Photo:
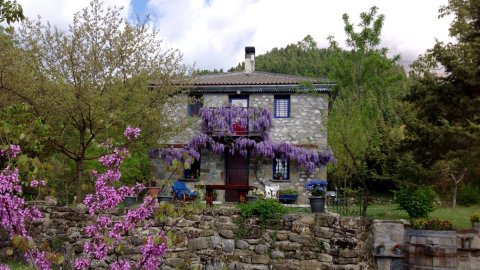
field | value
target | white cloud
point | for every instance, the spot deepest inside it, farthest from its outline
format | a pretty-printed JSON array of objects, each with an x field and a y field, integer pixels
[
  {"x": 214, "y": 33},
  {"x": 60, "y": 12}
]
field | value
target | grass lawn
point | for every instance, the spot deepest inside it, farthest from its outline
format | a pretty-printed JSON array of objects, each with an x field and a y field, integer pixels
[
  {"x": 14, "y": 265},
  {"x": 459, "y": 216}
]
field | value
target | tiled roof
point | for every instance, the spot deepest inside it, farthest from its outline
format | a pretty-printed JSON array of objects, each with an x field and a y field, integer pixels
[{"x": 254, "y": 78}]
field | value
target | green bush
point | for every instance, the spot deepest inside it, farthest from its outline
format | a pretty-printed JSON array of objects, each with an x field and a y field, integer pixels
[
  {"x": 433, "y": 224},
  {"x": 288, "y": 192},
  {"x": 418, "y": 202},
  {"x": 468, "y": 195},
  {"x": 264, "y": 209}
]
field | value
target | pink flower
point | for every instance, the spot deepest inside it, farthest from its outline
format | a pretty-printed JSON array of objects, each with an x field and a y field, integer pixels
[
  {"x": 132, "y": 133},
  {"x": 81, "y": 263},
  {"x": 37, "y": 183}
]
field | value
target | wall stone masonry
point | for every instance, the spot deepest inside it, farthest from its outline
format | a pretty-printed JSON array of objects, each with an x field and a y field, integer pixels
[{"x": 209, "y": 241}]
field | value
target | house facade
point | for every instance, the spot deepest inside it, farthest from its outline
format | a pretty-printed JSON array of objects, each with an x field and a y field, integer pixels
[{"x": 299, "y": 111}]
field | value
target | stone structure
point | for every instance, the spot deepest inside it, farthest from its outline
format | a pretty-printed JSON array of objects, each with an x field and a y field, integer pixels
[
  {"x": 305, "y": 125},
  {"x": 212, "y": 240},
  {"x": 391, "y": 233}
]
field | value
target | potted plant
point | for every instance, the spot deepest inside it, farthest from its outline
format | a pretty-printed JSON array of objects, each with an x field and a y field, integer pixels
[
  {"x": 287, "y": 195},
  {"x": 397, "y": 249},
  {"x": 475, "y": 219},
  {"x": 255, "y": 195},
  {"x": 466, "y": 242},
  {"x": 165, "y": 195},
  {"x": 317, "y": 189},
  {"x": 129, "y": 200},
  {"x": 153, "y": 189},
  {"x": 380, "y": 249}
]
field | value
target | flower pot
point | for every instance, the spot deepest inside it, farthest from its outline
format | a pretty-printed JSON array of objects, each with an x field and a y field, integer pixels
[
  {"x": 397, "y": 251},
  {"x": 381, "y": 250},
  {"x": 153, "y": 191},
  {"x": 466, "y": 243},
  {"x": 252, "y": 198},
  {"x": 129, "y": 201},
  {"x": 287, "y": 198},
  {"x": 164, "y": 198},
  {"x": 317, "y": 204},
  {"x": 476, "y": 226}
]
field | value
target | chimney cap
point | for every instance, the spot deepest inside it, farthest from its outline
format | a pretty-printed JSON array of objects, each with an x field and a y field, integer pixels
[{"x": 249, "y": 50}]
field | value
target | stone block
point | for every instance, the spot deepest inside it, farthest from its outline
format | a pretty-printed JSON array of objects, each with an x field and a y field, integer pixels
[
  {"x": 260, "y": 259},
  {"x": 310, "y": 265},
  {"x": 199, "y": 243},
  {"x": 261, "y": 249},
  {"x": 324, "y": 232},
  {"x": 228, "y": 246},
  {"x": 348, "y": 253},
  {"x": 326, "y": 220},
  {"x": 174, "y": 262},
  {"x": 241, "y": 244},
  {"x": 227, "y": 234},
  {"x": 325, "y": 257},
  {"x": 277, "y": 254}
]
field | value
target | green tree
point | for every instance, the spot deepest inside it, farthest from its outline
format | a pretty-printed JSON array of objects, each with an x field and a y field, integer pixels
[
  {"x": 303, "y": 58},
  {"x": 363, "y": 108},
  {"x": 443, "y": 135},
  {"x": 10, "y": 11},
  {"x": 89, "y": 83}
]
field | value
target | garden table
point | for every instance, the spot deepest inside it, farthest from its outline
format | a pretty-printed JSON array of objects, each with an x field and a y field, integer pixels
[{"x": 242, "y": 191}]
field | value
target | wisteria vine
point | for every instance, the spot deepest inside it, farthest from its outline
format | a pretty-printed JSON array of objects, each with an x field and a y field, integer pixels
[{"x": 218, "y": 122}]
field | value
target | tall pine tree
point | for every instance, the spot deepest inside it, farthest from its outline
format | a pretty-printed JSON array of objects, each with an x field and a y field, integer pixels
[{"x": 444, "y": 134}]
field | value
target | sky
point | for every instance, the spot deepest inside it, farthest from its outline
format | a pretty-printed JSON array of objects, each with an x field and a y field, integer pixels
[{"x": 213, "y": 33}]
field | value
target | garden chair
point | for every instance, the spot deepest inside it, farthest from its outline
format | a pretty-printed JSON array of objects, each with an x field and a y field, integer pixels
[
  {"x": 272, "y": 191},
  {"x": 181, "y": 192}
]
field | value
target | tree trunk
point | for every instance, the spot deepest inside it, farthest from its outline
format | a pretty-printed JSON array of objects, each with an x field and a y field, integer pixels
[
  {"x": 456, "y": 182},
  {"x": 455, "y": 188},
  {"x": 79, "y": 168}
]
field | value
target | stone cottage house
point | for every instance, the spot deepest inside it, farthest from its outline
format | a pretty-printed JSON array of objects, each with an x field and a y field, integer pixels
[{"x": 298, "y": 108}]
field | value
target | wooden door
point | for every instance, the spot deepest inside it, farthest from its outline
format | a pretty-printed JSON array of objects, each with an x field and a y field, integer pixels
[{"x": 237, "y": 174}]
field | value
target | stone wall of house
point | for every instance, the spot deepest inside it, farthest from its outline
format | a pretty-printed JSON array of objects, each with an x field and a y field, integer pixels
[
  {"x": 260, "y": 174},
  {"x": 306, "y": 126},
  {"x": 212, "y": 240}
]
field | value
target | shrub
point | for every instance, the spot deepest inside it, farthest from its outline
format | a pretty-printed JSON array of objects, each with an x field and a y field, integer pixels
[
  {"x": 433, "y": 224},
  {"x": 417, "y": 202},
  {"x": 264, "y": 209},
  {"x": 288, "y": 192},
  {"x": 468, "y": 195},
  {"x": 475, "y": 218}
]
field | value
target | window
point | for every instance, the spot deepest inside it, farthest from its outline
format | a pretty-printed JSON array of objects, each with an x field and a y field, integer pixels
[
  {"x": 195, "y": 106},
  {"x": 281, "y": 106},
  {"x": 237, "y": 127},
  {"x": 193, "y": 172},
  {"x": 281, "y": 168}
]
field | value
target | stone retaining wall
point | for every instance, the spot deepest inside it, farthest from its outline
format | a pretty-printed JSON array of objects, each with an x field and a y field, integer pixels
[
  {"x": 211, "y": 240},
  {"x": 391, "y": 233}
]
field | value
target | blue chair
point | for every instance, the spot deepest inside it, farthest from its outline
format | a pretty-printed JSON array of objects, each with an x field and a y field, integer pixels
[{"x": 181, "y": 191}]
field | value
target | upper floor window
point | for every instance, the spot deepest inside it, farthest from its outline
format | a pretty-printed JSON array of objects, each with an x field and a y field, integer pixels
[
  {"x": 281, "y": 168},
  {"x": 237, "y": 127},
  {"x": 239, "y": 101},
  {"x": 281, "y": 106},
  {"x": 195, "y": 105}
]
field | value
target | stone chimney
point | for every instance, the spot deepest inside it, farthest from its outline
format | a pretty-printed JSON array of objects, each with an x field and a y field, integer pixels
[{"x": 249, "y": 59}]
